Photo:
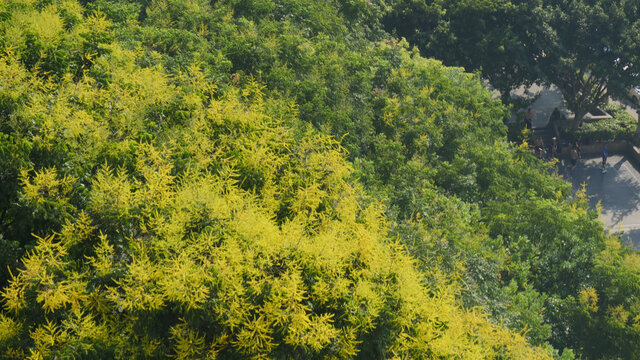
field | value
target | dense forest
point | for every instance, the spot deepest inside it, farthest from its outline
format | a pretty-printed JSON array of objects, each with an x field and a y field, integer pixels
[{"x": 256, "y": 179}]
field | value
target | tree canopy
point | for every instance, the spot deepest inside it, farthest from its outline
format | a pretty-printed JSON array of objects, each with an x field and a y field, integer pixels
[
  {"x": 279, "y": 179},
  {"x": 589, "y": 49}
]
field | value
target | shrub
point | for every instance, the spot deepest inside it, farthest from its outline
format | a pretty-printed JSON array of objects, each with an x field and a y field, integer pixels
[{"x": 621, "y": 127}]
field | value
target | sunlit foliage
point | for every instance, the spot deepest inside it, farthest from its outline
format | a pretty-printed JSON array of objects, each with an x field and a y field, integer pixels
[
  {"x": 277, "y": 179},
  {"x": 188, "y": 222}
]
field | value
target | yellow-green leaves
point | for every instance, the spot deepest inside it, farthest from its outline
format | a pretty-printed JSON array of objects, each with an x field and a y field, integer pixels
[
  {"x": 188, "y": 343},
  {"x": 185, "y": 281},
  {"x": 200, "y": 223},
  {"x": 47, "y": 337},
  {"x": 45, "y": 186},
  {"x": 46, "y": 25},
  {"x": 112, "y": 193},
  {"x": 138, "y": 289},
  {"x": 588, "y": 300},
  {"x": 9, "y": 329},
  {"x": 102, "y": 262},
  {"x": 76, "y": 232},
  {"x": 42, "y": 270}
]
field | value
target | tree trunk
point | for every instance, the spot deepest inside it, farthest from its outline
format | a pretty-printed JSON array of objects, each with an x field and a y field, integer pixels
[{"x": 575, "y": 123}]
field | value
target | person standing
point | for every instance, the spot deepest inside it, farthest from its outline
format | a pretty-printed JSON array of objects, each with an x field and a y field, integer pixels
[
  {"x": 539, "y": 144},
  {"x": 604, "y": 159},
  {"x": 528, "y": 117},
  {"x": 554, "y": 147},
  {"x": 574, "y": 157}
]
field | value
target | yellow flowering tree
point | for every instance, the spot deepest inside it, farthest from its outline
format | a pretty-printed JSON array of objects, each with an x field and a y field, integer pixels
[{"x": 192, "y": 223}]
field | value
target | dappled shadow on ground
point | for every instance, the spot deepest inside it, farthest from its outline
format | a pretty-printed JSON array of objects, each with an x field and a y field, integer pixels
[
  {"x": 618, "y": 190},
  {"x": 620, "y": 194}
]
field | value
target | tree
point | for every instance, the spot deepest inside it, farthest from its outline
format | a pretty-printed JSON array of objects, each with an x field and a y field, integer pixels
[
  {"x": 603, "y": 320},
  {"x": 194, "y": 222},
  {"x": 590, "y": 51},
  {"x": 494, "y": 38},
  {"x": 197, "y": 207}
]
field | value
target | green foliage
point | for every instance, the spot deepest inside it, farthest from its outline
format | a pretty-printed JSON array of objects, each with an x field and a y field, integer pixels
[
  {"x": 538, "y": 231},
  {"x": 233, "y": 290},
  {"x": 602, "y": 320},
  {"x": 184, "y": 220},
  {"x": 494, "y": 37},
  {"x": 621, "y": 127},
  {"x": 52, "y": 41},
  {"x": 591, "y": 52},
  {"x": 586, "y": 48},
  {"x": 13, "y": 157},
  {"x": 269, "y": 179}
]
